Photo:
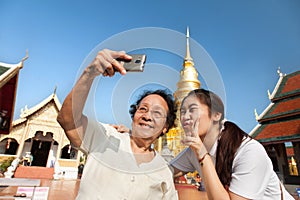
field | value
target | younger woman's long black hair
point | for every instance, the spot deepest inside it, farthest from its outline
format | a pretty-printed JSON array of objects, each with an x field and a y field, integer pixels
[{"x": 231, "y": 138}]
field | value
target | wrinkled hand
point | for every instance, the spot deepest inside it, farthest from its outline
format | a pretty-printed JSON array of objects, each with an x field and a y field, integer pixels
[
  {"x": 121, "y": 128},
  {"x": 105, "y": 63},
  {"x": 193, "y": 140}
]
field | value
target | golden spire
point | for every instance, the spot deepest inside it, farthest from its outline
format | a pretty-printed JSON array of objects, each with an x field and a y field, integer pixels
[
  {"x": 188, "y": 75},
  {"x": 188, "y": 55},
  {"x": 188, "y": 60},
  {"x": 188, "y": 81}
]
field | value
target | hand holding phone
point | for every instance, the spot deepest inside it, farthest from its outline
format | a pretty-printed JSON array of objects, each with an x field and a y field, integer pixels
[{"x": 136, "y": 64}]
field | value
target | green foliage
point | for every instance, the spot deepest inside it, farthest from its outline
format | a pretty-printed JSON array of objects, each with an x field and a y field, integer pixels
[
  {"x": 82, "y": 158},
  {"x": 5, "y": 164}
]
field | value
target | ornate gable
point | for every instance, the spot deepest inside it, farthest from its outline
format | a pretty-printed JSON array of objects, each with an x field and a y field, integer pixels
[
  {"x": 45, "y": 110},
  {"x": 44, "y": 119},
  {"x": 41, "y": 117}
]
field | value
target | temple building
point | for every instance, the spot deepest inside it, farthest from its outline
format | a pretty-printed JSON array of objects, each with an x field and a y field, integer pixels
[
  {"x": 188, "y": 81},
  {"x": 279, "y": 127},
  {"x": 36, "y": 133}
]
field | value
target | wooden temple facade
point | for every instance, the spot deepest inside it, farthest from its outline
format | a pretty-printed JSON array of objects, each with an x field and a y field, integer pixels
[{"x": 279, "y": 127}]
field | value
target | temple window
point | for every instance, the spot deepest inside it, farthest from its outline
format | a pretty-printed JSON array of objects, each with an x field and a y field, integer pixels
[
  {"x": 9, "y": 146},
  {"x": 68, "y": 152}
]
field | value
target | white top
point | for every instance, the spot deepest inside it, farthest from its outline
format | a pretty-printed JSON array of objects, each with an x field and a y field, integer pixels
[
  {"x": 252, "y": 171},
  {"x": 187, "y": 161},
  {"x": 111, "y": 171}
]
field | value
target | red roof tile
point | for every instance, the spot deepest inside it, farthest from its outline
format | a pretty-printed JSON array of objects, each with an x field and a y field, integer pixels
[
  {"x": 286, "y": 130},
  {"x": 286, "y": 106},
  {"x": 293, "y": 83},
  {"x": 290, "y": 85}
]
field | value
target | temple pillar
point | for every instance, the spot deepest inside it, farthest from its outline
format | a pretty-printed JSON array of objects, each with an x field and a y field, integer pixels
[{"x": 282, "y": 160}]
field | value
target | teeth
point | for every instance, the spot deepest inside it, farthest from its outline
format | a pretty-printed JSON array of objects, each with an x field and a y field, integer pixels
[{"x": 145, "y": 125}]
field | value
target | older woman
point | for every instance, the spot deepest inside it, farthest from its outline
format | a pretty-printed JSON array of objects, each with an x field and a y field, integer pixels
[{"x": 120, "y": 166}]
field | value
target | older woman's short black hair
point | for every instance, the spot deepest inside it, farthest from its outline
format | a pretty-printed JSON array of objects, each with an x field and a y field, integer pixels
[{"x": 166, "y": 96}]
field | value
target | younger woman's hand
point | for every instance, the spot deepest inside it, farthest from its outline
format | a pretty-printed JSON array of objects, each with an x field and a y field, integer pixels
[{"x": 193, "y": 140}]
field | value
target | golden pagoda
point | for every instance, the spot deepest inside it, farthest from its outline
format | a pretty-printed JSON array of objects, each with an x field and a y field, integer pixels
[{"x": 188, "y": 81}]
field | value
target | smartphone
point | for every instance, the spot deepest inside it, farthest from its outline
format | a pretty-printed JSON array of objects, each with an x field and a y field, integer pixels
[{"x": 136, "y": 64}]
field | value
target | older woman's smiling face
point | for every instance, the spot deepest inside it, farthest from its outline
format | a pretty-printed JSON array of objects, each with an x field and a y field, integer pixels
[{"x": 149, "y": 121}]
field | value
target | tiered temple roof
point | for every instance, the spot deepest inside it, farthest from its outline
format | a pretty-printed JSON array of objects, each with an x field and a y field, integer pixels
[{"x": 280, "y": 121}]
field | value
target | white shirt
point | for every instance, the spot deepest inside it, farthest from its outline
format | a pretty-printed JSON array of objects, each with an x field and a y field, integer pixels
[
  {"x": 111, "y": 171},
  {"x": 252, "y": 171},
  {"x": 187, "y": 161}
]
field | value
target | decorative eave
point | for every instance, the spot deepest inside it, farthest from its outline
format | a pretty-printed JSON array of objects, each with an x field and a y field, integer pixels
[
  {"x": 286, "y": 87},
  {"x": 18, "y": 121},
  {"x": 281, "y": 75},
  {"x": 279, "y": 140},
  {"x": 13, "y": 69},
  {"x": 253, "y": 131},
  {"x": 264, "y": 112}
]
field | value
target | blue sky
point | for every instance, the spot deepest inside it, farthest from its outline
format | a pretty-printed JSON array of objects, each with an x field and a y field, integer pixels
[{"x": 246, "y": 41}]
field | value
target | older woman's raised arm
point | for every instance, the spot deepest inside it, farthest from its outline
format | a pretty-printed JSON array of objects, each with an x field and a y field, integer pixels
[{"x": 71, "y": 116}]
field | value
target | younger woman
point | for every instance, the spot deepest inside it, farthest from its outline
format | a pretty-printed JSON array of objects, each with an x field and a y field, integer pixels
[{"x": 231, "y": 163}]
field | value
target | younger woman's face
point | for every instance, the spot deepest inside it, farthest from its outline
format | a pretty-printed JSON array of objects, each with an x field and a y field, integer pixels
[{"x": 191, "y": 111}]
